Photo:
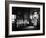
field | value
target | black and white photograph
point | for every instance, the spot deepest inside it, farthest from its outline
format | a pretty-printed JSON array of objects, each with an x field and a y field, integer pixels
[{"x": 25, "y": 18}]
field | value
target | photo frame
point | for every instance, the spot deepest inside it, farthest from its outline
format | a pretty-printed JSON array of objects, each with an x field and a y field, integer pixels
[{"x": 24, "y": 18}]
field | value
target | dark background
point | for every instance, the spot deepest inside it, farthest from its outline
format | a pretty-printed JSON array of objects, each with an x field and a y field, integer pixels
[{"x": 21, "y": 11}]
